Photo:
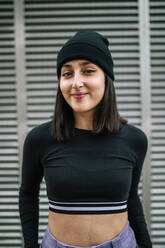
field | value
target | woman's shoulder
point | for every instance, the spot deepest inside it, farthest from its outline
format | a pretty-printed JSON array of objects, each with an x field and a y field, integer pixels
[
  {"x": 39, "y": 132},
  {"x": 130, "y": 128},
  {"x": 135, "y": 135},
  {"x": 43, "y": 127}
]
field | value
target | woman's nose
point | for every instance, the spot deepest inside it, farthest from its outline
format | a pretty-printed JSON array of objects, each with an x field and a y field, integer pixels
[{"x": 77, "y": 81}]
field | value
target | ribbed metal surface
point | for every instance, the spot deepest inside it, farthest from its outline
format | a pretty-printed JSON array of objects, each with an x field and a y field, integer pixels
[
  {"x": 157, "y": 18},
  {"x": 48, "y": 24},
  {"x": 10, "y": 235}
]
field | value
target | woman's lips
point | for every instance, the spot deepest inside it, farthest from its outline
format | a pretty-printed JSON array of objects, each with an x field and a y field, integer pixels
[{"x": 79, "y": 96}]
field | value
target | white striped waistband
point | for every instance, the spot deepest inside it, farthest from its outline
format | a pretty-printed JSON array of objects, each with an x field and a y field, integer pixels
[{"x": 87, "y": 206}]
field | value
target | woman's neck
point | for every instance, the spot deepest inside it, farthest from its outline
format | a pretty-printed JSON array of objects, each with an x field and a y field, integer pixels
[{"x": 83, "y": 121}]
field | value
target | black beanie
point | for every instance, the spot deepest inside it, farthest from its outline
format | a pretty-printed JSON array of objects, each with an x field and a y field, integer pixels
[{"x": 88, "y": 45}]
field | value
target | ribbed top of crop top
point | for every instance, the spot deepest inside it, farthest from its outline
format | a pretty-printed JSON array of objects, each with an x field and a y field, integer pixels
[{"x": 88, "y": 174}]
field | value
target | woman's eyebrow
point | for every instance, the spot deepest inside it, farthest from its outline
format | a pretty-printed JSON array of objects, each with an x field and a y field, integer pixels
[
  {"x": 85, "y": 63},
  {"x": 66, "y": 65}
]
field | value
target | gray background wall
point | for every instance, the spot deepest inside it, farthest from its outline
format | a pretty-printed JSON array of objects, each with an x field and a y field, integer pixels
[{"x": 31, "y": 33}]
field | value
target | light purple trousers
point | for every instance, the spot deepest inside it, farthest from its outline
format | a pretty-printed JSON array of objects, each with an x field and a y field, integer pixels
[{"x": 126, "y": 239}]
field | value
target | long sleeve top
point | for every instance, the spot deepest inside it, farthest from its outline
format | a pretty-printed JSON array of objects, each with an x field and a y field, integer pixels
[{"x": 88, "y": 174}]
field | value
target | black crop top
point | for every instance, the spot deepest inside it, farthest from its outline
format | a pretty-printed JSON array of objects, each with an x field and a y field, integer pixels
[{"x": 88, "y": 174}]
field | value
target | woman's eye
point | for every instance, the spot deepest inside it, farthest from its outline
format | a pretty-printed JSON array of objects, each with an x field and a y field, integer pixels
[
  {"x": 66, "y": 74},
  {"x": 88, "y": 71}
]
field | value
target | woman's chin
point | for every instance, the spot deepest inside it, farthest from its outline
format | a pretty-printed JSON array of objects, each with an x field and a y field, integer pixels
[{"x": 81, "y": 110}]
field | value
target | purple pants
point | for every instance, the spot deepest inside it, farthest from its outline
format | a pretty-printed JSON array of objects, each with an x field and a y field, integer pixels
[{"x": 126, "y": 239}]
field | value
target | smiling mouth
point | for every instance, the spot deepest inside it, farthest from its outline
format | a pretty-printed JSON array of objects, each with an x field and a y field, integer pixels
[{"x": 79, "y": 96}]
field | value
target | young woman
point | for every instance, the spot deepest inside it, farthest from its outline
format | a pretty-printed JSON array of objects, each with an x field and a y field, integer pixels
[{"x": 90, "y": 157}]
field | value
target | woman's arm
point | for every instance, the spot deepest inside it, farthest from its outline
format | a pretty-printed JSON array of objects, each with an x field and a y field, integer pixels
[
  {"x": 32, "y": 174},
  {"x": 135, "y": 209}
]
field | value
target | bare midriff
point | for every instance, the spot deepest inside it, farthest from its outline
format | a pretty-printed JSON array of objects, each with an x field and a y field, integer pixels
[{"x": 86, "y": 230}]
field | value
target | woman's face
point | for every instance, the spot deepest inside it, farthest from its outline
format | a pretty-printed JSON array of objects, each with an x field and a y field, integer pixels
[{"x": 82, "y": 84}]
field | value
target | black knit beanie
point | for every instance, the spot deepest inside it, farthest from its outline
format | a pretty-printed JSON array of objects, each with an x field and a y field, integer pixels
[{"x": 88, "y": 45}]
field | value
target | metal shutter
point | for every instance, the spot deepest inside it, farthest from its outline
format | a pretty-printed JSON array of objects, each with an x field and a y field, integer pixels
[
  {"x": 10, "y": 235},
  {"x": 49, "y": 24},
  {"x": 157, "y": 18}
]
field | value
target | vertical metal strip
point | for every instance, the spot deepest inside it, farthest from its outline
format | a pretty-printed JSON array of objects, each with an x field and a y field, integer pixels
[
  {"x": 20, "y": 75},
  {"x": 20, "y": 78},
  {"x": 145, "y": 78}
]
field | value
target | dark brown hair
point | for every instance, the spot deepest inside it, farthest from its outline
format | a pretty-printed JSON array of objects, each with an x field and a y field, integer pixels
[{"x": 106, "y": 115}]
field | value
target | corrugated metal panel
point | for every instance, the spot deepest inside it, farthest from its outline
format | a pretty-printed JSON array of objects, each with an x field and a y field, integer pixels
[
  {"x": 10, "y": 235},
  {"x": 157, "y": 18},
  {"x": 48, "y": 24}
]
